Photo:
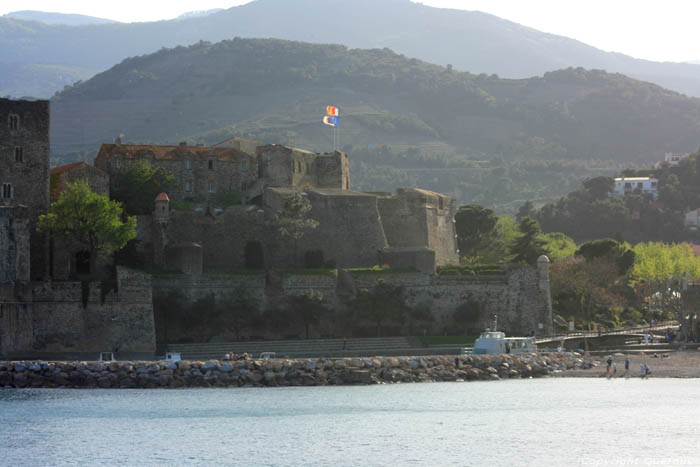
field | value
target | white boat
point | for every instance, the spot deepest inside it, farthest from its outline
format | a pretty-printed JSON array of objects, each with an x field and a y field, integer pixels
[{"x": 496, "y": 342}]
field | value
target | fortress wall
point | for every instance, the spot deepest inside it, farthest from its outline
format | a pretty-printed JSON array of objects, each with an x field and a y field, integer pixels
[
  {"x": 197, "y": 287},
  {"x": 15, "y": 326},
  {"x": 441, "y": 233},
  {"x": 57, "y": 321},
  {"x": 349, "y": 231}
]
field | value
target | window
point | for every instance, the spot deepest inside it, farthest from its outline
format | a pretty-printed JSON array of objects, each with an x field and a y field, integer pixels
[
  {"x": 117, "y": 163},
  {"x": 639, "y": 185},
  {"x": 188, "y": 186},
  {"x": 19, "y": 154},
  {"x": 653, "y": 184},
  {"x": 211, "y": 188},
  {"x": 6, "y": 190},
  {"x": 244, "y": 166},
  {"x": 13, "y": 121},
  {"x": 188, "y": 164},
  {"x": 211, "y": 165},
  {"x": 628, "y": 186}
]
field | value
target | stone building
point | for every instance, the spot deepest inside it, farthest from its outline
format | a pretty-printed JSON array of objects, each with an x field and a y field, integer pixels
[
  {"x": 71, "y": 173},
  {"x": 24, "y": 168},
  {"x": 204, "y": 172},
  {"x": 200, "y": 172}
]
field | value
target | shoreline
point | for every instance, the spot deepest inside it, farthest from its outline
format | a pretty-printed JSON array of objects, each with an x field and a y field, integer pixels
[
  {"x": 333, "y": 371},
  {"x": 283, "y": 372}
]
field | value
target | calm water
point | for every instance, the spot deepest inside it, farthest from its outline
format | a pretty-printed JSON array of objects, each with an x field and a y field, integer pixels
[{"x": 528, "y": 422}]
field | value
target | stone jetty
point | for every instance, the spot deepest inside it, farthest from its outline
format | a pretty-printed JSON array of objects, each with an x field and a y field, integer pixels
[{"x": 282, "y": 372}]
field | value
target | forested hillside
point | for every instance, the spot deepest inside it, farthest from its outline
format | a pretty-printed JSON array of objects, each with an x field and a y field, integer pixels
[
  {"x": 428, "y": 117},
  {"x": 469, "y": 40}
]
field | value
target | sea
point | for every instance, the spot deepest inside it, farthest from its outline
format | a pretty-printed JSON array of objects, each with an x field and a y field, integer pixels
[{"x": 537, "y": 422}]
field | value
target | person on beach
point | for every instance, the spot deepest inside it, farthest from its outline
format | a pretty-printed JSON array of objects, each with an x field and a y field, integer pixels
[
  {"x": 627, "y": 367},
  {"x": 645, "y": 371}
]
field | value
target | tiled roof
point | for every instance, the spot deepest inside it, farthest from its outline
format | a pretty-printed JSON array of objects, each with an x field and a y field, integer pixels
[
  {"x": 162, "y": 197},
  {"x": 139, "y": 151},
  {"x": 65, "y": 168},
  {"x": 58, "y": 183}
]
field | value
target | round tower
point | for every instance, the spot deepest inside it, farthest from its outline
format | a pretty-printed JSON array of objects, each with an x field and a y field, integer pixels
[{"x": 162, "y": 208}]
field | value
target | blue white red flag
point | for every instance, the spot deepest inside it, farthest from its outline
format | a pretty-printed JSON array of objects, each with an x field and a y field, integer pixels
[{"x": 331, "y": 121}]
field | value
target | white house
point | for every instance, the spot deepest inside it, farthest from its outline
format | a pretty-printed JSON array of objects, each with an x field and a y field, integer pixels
[
  {"x": 692, "y": 219},
  {"x": 671, "y": 159},
  {"x": 643, "y": 185}
]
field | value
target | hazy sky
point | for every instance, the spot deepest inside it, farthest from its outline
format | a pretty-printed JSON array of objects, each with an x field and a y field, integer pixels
[{"x": 651, "y": 29}]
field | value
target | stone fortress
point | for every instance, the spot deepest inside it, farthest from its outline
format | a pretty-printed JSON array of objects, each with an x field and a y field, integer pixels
[{"x": 45, "y": 307}]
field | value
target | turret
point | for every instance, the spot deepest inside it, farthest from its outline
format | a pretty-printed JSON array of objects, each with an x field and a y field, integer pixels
[{"x": 162, "y": 210}]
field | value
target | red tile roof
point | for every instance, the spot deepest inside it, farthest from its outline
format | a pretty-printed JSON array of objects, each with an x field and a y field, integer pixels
[
  {"x": 65, "y": 168},
  {"x": 162, "y": 197}
]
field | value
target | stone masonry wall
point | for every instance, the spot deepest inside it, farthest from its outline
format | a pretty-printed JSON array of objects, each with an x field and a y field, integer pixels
[{"x": 56, "y": 320}]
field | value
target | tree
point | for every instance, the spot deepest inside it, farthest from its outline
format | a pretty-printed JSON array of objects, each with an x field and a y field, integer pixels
[
  {"x": 89, "y": 219},
  {"x": 504, "y": 236},
  {"x": 137, "y": 185},
  {"x": 526, "y": 210},
  {"x": 420, "y": 315},
  {"x": 585, "y": 290},
  {"x": 466, "y": 314},
  {"x": 474, "y": 225},
  {"x": 559, "y": 245},
  {"x": 384, "y": 302},
  {"x": 530, "y": 245},
  {"x": 237, "y": 311},
  {"x": 617, "y": 252},
  {"x": 294, "y": 219},
  {"x": 599, "y": 187},
  {"x": 665, "y": 271},
  {"x": 308, "y": 308}
]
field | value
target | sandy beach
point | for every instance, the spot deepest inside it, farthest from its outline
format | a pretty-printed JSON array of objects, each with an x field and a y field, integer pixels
[{"x": 678, "y": 364}]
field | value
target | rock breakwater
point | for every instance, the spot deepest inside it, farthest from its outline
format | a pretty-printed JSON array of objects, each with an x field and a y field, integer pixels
[{"x": 282, "y": 372}]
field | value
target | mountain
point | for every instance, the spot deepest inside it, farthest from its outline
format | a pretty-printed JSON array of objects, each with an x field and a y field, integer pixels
[
  {"x": 269, "y": 88},
  {"x": 199, "y": 13},
  {"x": 468, "y": 40},
  {"x": 57, "y": 18}
]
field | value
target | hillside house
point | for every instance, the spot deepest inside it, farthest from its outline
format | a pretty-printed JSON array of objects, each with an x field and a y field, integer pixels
[{"x": 641, "y": 185}]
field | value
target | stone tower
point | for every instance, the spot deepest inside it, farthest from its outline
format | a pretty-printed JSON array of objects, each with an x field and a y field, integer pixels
[{"x": 24, "y": 168}]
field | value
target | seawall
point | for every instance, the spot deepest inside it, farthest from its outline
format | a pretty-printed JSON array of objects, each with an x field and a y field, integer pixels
[{"x": 278, "y": 372}]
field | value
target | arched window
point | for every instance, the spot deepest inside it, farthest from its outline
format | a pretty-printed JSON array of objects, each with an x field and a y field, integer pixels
[{"x": 19, "y": 154}]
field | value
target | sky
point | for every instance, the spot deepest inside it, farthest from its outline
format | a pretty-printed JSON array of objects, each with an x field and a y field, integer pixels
[{"x": 649, "y": 29}]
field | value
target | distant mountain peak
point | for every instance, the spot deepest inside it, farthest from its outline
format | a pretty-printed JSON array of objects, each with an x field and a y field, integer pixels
[
  {"x": 199, "y": 13},
  {"x": 53, "y": 18}
]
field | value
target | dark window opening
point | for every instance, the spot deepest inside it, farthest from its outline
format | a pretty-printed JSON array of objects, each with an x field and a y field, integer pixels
[
  {"x": 82, "y": 263},
  {"x": 7, "y": 190},
  {"x": 19, "y": 154},
  {"x": 211, "y": 165},
  {"x": 14, "y": 122},
  {"x": 441, "y": 203}
]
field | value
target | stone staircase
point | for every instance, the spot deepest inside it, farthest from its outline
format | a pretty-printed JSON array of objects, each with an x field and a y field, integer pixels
[{"x": 356, "y": 347}]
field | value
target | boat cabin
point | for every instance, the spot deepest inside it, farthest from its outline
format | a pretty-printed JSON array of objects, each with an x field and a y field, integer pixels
[{"x": 496, "y": 342}]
